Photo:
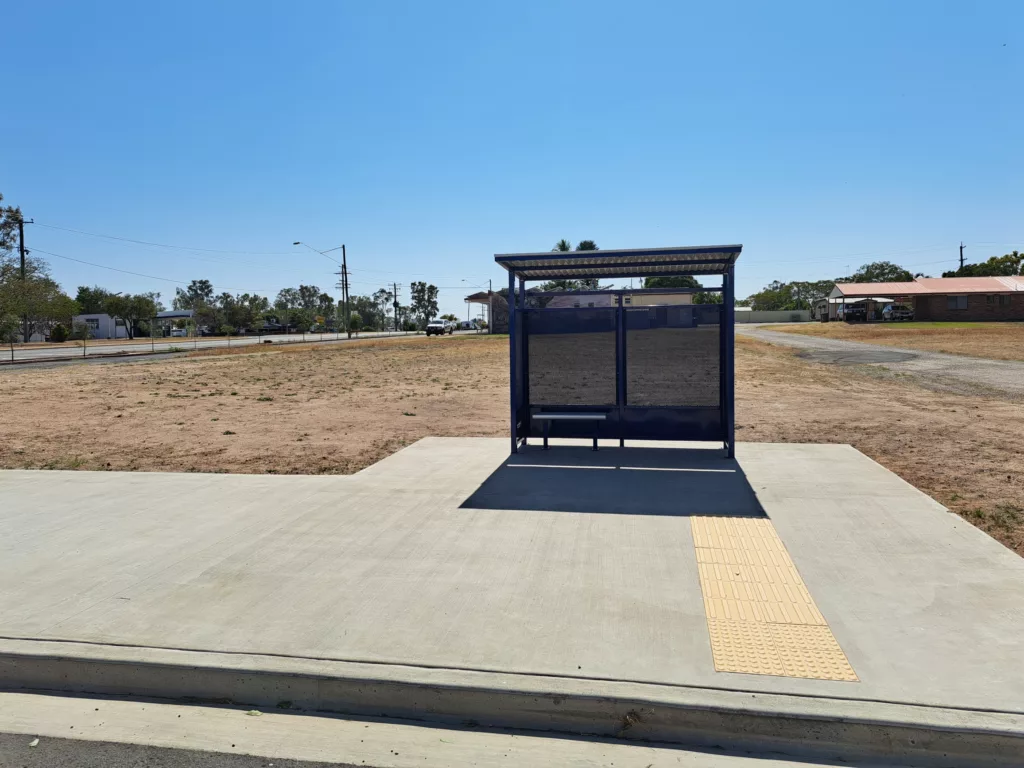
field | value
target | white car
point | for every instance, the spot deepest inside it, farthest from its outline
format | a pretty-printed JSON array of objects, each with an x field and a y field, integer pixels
[
  {"x": 440, "y": 327},
  {"x": 178, "y": 333}
]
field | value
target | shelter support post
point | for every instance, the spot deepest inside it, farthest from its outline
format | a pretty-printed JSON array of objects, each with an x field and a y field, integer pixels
[
  {"x": 728, "y": 364},
  {"x": 512, "y": 341},
  {"x": 524, "y": 358}
]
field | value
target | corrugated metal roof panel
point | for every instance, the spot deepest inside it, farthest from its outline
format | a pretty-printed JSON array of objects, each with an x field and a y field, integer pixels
[
  {"x": 633, "y": 262},
  {"x": 867, "y": 290}
]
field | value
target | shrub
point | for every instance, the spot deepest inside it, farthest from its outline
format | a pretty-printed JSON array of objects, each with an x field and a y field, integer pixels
[{"x": 58, "y": 334}]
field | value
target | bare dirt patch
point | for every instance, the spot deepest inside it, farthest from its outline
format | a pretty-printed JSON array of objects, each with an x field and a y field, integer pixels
[
  {"x": 996, "y": 341},
  {"x": 337, "y": 409},
  {"x": 297, "y": 409}
]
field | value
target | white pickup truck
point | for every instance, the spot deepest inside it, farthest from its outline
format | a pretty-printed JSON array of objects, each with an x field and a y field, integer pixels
[{"x": 440, "y": 328}]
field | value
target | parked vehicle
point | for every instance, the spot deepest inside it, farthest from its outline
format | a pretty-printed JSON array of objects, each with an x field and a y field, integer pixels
[
  {"x": 439, "y": 328},
  {"x": 468, "y": 325},
  {"x": 178, "y": 333},
  {"x": 892, "y": 312},
  {"x": 852, "y": 313}
]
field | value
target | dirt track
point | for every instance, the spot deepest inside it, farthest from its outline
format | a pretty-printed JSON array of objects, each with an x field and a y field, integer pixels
[
  {"x": 934, "y": 370},
  {"x": 340, "y": 408}
]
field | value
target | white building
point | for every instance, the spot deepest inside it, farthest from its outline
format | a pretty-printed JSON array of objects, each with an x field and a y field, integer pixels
[{"x": 102, "y": 326}]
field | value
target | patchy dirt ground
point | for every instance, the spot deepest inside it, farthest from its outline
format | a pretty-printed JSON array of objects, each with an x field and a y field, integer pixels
[
  {"x": 320, "y": 409},
  {"x": 298, "y": 409},
  {"x": 996, "y": 341}
]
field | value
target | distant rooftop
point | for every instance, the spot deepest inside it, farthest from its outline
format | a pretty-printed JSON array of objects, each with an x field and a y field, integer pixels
[
  {"x": 924, "y": 286},
  {"x": 174, "y": 314}
]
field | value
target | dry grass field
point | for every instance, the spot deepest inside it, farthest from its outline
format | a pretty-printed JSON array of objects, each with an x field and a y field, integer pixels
[
  {"x": 338, "y": 408},
  {"x": 997, "y": 341}
]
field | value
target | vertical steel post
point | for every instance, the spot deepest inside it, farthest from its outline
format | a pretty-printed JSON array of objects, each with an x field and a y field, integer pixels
[
  {"x": 620, "y": 366},
  {"x": 523, "y": 372},
  {"x": 512, "y": 356},
  {"x": 729, "y": 311}
]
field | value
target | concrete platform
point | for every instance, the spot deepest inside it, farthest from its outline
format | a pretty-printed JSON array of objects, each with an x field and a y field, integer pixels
[{"x": 555, "y": 590}]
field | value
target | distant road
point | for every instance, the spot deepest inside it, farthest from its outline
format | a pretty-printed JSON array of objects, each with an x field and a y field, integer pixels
[{"x": 169, "y": 345}]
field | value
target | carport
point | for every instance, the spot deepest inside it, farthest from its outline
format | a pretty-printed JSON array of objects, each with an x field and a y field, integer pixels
[{"x": 652, "y": 372}]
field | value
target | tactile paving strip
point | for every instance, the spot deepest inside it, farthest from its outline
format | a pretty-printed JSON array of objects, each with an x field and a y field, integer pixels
[{"x": 761, "y": 618}]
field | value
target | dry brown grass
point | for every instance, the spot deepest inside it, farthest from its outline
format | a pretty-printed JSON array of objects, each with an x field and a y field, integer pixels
[
  {"x": 996, "y": 341},
  {"x": 295, "y": 409},
  {"x": 338, "y": 408}
]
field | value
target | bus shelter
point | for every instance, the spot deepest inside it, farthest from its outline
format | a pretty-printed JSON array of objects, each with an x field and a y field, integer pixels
[{"x": 622, "y": 364}]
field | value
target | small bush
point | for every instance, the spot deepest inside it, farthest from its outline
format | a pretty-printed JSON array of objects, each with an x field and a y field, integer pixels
[{"x": 59, "y": 334}]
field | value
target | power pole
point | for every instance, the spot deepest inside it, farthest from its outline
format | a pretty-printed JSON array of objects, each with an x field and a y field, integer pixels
[
  {"x": 961, "y": 254},
  {"x": 344, "y": 283},
  {"x": 21, "y": 249},
  {"x": 395, "y": 304}
]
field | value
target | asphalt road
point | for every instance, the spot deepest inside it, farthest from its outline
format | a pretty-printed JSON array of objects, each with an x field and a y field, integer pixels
[
  {"x": 72, "y": 753},
  {"x": 169, "y": 345},
  {"x": 936, "y": 370}
]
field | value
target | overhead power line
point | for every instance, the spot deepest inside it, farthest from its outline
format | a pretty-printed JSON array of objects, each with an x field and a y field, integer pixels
[
  {"x": 165, "y": 245},
  {"x": 140, "y": 274}
]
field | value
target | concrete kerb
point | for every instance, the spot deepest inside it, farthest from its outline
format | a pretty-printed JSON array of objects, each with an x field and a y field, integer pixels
[{"x": 804, "y": 726}]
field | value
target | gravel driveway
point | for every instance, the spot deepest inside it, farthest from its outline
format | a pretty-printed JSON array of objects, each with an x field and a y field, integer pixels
[{"x": 947, "y": 373}]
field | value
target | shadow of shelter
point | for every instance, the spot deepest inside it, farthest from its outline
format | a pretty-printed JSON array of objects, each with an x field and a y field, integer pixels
[{"x": 619, "y": 481}]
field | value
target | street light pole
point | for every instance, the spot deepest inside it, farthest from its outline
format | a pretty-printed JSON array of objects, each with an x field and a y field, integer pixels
[{"x": 343, "y": 273}]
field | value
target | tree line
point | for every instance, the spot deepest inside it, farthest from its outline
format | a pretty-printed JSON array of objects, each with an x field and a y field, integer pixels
[
  {"x": 780, "y": 295},
  {"x": 306, "y": 308}
]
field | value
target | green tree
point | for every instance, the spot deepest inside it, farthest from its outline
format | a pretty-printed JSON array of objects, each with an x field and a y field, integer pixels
[
  {"x": 43, "y": 304},
  {"x": 132, "y": 309},
  {"x": 881, "y": 272},
  {"x": 450, "y": 318},
  {"x": 9, "y": 327},
  {"x": 198, "y": 294},
  {"x": 252, "y": 307},
  {"x": 9, "y": 218},
  {"x": 384, "y": 300},
  {"x": 592, "y": 284},
  {"x": 309, "y": 297},
  {"x": 355, "y": 322},
  {"x": 996, "y": 266},
  {"x": 300, "y": 318},
  {"x": 91, "y": 300},
  {"x": 683, "y": 281},
  {"x": 288, "y": 298},
  {"x": 424, "y": 302},
  {"x": 325, "y": 307}
]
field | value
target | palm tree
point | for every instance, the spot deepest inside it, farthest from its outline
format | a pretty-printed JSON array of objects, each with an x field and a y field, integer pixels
[{"x": 562, "y": 246}]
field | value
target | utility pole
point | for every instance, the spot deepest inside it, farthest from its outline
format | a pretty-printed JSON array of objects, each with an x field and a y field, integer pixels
[
  {"x": 395, "y": 304},
  {"x": 344, "y": 283},
  {"x": 21, "y": 249},
  {"x": 961, "y": 254}
]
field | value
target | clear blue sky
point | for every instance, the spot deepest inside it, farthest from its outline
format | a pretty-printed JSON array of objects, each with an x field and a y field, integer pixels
[{"x": 429, "y": 136}]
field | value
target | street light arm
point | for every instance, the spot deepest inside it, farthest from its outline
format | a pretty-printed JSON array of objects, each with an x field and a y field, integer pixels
[{"x": 322, "y": 253}]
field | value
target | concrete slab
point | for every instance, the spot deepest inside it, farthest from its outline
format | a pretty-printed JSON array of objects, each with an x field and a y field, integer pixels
[{"x": 560, "y": 568}]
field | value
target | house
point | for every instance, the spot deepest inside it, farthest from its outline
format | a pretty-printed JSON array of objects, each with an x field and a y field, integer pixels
[
  {"x": 934, "y": 298},
  {"x": 102, "y": 326},
  {"x": 637, "y": 299}
]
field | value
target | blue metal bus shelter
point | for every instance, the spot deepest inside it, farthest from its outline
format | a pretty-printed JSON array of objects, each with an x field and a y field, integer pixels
[{"x": 623, "y": 364}]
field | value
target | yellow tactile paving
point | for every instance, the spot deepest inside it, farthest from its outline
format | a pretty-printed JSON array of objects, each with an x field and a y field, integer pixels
[{"x": 761, "y": 618}]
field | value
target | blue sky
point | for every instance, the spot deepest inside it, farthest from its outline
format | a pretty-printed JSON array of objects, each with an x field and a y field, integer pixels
[{"x": 429, "y": 136}]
